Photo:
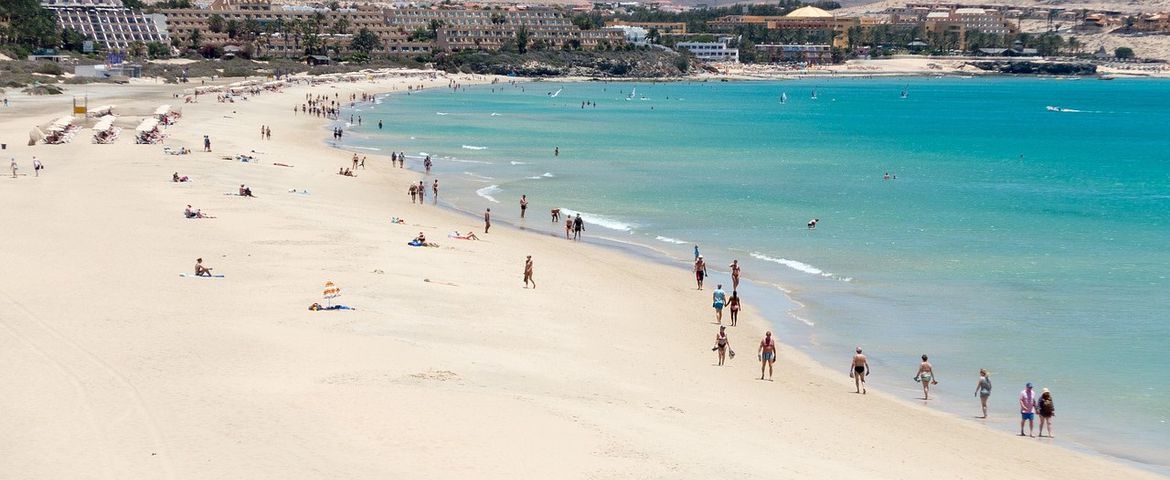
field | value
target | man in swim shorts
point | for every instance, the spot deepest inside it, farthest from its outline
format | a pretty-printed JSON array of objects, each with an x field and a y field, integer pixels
[
  {"x": 767, "y": 352},
  {"x": 487, "y": 220},
  {"x": 700, "y": 271},
  {"x": 523, "y": 205},
  {"x": 1027, "y": 409},
  {"x": 860, "y": 368},
  {"x": 718, "y": 300}
]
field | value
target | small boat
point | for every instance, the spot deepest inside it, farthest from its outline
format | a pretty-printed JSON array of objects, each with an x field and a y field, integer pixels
[
  {"x": 1051, "y": 108},
  {"x": 783, "y": 98},
  {"x": 905, "y": 92}
]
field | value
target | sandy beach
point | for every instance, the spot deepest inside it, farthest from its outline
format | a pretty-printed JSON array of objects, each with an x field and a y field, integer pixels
[{"x": 117, "y": 367}]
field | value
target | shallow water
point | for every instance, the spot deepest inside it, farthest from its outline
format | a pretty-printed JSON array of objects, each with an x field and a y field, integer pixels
[{"x": 1025, "y": 241}]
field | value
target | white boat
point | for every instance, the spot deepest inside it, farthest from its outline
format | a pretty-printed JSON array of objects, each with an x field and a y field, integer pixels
[{"x": 1051, "y": 108}]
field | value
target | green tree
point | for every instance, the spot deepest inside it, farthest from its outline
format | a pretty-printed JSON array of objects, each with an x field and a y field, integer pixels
[
  {"x": 1123, "y": 53},
  {"x": 340, "y": 27},
  {"x": 30, "y": 25},
  {"x": 72, "y": 40},
  {"x": 365, "y": 41},
  {"x": 194, "y": 38},
  {"x": 233, "y": 28},
  {"x": 653, "y": 35},
  {"x": 434, "y": 27},
  {"x": 137, "y": 49},
  {"x": 522, "y": 37},
  {"x": 157, "y": 50},
  {"x": 334, "y": 5},
  {"x": 215, "y": 23}
]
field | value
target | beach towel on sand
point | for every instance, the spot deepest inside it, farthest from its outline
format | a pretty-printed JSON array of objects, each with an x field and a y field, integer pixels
[{"x": 192, "y": 275}]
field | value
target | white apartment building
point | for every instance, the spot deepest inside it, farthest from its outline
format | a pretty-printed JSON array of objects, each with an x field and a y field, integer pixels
[
  {"x": 719, "y": 51},
  {"x": 108, "y": 22}
]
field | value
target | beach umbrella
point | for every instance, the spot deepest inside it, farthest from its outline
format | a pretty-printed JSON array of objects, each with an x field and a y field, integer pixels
[{"x": 331, "y": 291}]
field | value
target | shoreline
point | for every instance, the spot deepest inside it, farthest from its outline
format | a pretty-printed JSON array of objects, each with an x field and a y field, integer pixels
[
  {"x": 786, "y": 320},
  {"x": 264, "y": 383}
]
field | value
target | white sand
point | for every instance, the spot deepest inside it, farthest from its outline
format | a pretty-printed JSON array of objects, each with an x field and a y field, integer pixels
[{"x": 116, "y": 368}]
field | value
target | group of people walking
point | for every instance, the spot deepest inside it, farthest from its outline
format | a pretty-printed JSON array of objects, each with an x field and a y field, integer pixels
[{"x": 1031, "y": 406}]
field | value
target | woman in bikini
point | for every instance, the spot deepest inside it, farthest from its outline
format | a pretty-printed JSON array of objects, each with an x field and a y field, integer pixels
[
  {"x": 926, "y": 376},
  {"x": 733, "y": 305},
  {"x": 721, "y": 343}
]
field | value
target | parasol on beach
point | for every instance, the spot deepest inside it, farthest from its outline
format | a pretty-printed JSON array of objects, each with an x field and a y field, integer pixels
[{"x": 331, "y": 292}]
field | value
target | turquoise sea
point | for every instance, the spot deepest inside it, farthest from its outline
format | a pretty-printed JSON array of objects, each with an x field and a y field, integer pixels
[{"x": 1030, "y": 242}]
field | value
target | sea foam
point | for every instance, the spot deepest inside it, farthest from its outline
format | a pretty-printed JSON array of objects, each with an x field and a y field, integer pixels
[
  {"x": 486, "y": 192},
  {"x": 601, "y": 221},
  {"x": 474, "y": 147}
]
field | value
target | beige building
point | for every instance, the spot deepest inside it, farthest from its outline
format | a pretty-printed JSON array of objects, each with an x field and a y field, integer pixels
[
  {"x": 108, "y": 22},
  {"x": 489, "y": 29}
]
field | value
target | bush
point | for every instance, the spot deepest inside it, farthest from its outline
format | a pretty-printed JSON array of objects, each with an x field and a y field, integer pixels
[
  {"x": 1123, "y": 53},
  {"x": 48, "y": 68}
]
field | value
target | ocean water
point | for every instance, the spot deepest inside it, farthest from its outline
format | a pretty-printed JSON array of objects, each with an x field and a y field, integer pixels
[{"x": 1030, "y": 242}]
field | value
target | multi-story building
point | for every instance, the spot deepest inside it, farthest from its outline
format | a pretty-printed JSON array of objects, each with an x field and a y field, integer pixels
[
  {"x": 1152, "y": 22},
  {"x": 811, "y": 54},
  {"x": 108, "y": 22},
  {"x": 286, "y": 31},
  {"x": 805, "y": 18},
  {"x": 720, "y": 51},
  {"x": 489, "y": 29},
  {"x": 664, "y": 28}
]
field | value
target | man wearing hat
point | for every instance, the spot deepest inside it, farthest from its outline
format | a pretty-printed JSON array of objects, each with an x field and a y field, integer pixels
[{"x": 1027, "y": 409}]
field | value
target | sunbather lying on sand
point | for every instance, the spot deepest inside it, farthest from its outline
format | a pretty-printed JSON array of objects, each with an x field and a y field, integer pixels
[
  {"x": 176, "y": 178},
  {"x": 465, "y": 236}
]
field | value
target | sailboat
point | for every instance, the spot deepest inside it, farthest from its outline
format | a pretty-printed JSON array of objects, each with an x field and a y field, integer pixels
[
  {"x": 814, "y": 94},
  {"x": 783, "y": 98},
  {"x": 633, "y": 91},
  {"x": 554, "y": 95},
  {"x": 905, "y": 93}
]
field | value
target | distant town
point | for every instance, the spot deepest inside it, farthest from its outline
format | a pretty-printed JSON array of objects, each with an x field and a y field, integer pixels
[{"x": 111, "y": 34}]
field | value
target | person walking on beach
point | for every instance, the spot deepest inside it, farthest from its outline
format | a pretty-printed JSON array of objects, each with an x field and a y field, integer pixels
[
  {"x": 568, "y": 225},
  {"x": 767, "y": 354},
  {"x": 487, "y": 220},
  {"x": 435, "y": 190},
  {"x": 734, "y": 274},
  {"x": 700, "y": 271},
  {"x": 859, "y": 370},
  {"x": 1027, "y": 410},
  {"x": 523, "y": 205},
  {"x": 722, "y": 344},
  {"x": 1047, "y": 410},
  {"x": 422, "y": 192},
  {"x": 926, "y": 376},
  {"x": 697, "y": 252},
  {"x": 37, "y": 167},
  {"x": 206, "y": 143},
  {"x": 413, "y": 192},
  {"x": 718, "y": 300},
  {"x": 363, "y": 162},
  {"x": 983, "y": 389},
  {"x": 733, "y": 305},
  {"x": 578, "y": 227},
  {"x": 14, "y": 168},
  {"x": 528, "y": 272}
]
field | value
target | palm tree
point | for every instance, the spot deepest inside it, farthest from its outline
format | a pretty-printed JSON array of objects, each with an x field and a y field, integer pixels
[{"x": 194, "y": 37}]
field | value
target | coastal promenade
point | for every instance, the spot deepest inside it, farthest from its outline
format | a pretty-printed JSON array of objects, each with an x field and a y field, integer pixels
[{"x": 117, "y": 367}]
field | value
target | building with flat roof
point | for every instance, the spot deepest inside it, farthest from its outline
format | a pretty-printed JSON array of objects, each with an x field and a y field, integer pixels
[
  {"x": 810, "y": 54},
  {"x": 489, "y": 29},
  {"x": 719, "y": 51},
  {"x": 108, "y": 22},
  {"x": 664, "y": 28}
]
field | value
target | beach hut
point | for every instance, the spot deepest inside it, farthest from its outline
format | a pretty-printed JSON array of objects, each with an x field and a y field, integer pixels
[
  {"x": 104, "y": 131},
  {"x": 147, "y": 132}
]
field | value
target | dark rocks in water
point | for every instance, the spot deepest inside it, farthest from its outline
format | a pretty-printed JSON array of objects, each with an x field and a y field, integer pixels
[{"x": 1037, "y": 68}]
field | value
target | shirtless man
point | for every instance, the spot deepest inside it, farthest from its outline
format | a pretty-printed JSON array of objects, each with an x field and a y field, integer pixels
[
  {"x": 734, "y": 274},
  {"x": 523, "y": 205},
  {"x": 528, "y": 272},
  {"x": 413, "y": 192},
  {"x": 578, "y": 227},
  {"x": 860, "y": 368},
  {"x": 926, "y": 376},
  {"x": 556, "y": 214},
  {"x": 487, "y": 220},
  {"x": 700, "y": 271},
  {"x": 767, "y": 353}
]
